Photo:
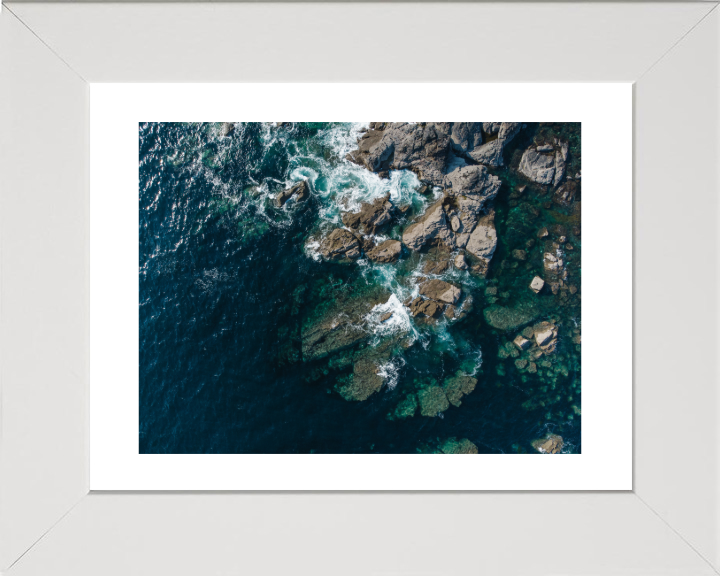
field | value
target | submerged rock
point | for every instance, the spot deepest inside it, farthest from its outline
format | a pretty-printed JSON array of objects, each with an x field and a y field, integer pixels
[
  {"x": 340, "y": 244},
  {"x": 363, "y": 382},
  {"x": 551, "y": 444},
  {"x": 441, "y": 291},
  {"x": 339, "y": 326},
  {"x": 505, "y": 318},
  {"x": 432, "y": 401},
  {"x": 300, "y": 191},
  {"x": 458, "y": 386},
  {"x": 454, "y": 446},
  {"x": 388, "y": 251},
  {"x": 436, "y": 267}
]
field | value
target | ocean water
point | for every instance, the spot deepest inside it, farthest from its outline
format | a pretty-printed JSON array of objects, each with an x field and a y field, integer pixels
[{"x": 227, "y": 281}]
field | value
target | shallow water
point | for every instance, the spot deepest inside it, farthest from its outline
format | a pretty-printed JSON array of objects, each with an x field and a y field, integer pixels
[{"x": 227, "y": 281}]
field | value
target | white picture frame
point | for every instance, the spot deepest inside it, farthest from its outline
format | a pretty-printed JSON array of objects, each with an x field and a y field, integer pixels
[{"x": 50, "y": 523}]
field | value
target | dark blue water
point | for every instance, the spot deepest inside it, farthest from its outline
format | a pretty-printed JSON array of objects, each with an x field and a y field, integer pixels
[{"x": 226, "y": 283}]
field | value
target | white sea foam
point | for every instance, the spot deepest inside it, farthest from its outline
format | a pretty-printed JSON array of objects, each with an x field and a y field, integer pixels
[
  {"x": 390, "y": 371},
  {"x": 398, "y": 322}
]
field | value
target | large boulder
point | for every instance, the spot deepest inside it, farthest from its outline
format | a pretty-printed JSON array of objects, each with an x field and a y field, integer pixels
[
  {"x": 431, "y": 226},
  {"x": 551, "y": 444},
  {"x": 545, "y": 164},
  {"x": 482, "y": 242},
  {"x": 388, "y": 251},
  {"x": 466, "y": 136},
  {"x": 441, "y": 291},
  {"x": 372, "y": 217},
  {"x": 474, "y": 181},
  {"x": 340, "y": 244},
  {"x": 300, "y": 191}
]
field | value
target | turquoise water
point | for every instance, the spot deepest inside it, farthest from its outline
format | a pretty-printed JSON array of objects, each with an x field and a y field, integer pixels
[{"x": 229, "y": 283}]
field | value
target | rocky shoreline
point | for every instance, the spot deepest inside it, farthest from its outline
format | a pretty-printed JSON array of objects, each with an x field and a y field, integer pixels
[{"x": 456, "y": 238}]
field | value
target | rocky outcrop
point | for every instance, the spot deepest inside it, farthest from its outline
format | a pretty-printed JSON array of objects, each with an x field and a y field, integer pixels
[
  {"x": 339, "y": 326},
  {"x": 363, "y": 382},
  {"x": 430, "y": 149},
  {"x": 432, "y": 226},
  {"x": 386, "y": 252},
  {"x": 422, "y": 307},
  {"x": 545, "y": 164},
  {"x": 491, "y": 153},
  {"x": 551, "y": 444},
  {"x": 482, "y": 242},
  {"x": 340, "y": 244},
  {"x": 372, "y": 217},
  {"x": 300, "y": 192},
  {"x": 441, "y": 291}
]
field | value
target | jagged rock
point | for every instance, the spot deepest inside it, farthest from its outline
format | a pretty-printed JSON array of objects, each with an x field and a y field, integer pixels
[
  {"x": 340, "y": 244},
  {"x": 458, "y": 386},
  {"x": 450, "y": 312},
  {"x": 441, "y": 291},
  {"x": 551, "y": 444},
  {"x": 388, "y": 251},
  {"x": 519, "y": 255},
  {"x": 299, "y": 191},
  {"x": 386, "y": 316},
  {"x": 565, "y": 194},
  {"x": 372, "y": 217},
  {"x": 491, "y": 153},
  {"x": 460, "y": 262},
  {"x": 454, "y": 446},
  {"x": 522, "y": 342},
  {"x": 432, "y": 401},
  {"x": 227, "y": 128},
  {"x": 483, "y": 240},
  {"x": 537, "y": 284},
  {"x": 428, "y": 308},
  {"x": 431, "y": 226},
  {"x": 542, "y": 233},
  {"x": 474, "y": 181},
  {"x": 466, "y": 136}
]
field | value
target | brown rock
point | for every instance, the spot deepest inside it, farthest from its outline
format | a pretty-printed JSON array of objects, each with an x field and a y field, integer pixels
[
  {"x": 441, "y": 291},
  {"x": 340, "y": 244},
  {"x": 388, "y": 251},
  {"x": 372, "y": 216},
  {"x": 301, "y": 191}
]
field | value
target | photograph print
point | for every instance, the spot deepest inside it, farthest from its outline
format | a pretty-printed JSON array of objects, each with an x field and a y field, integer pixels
[{"x": 360, "y": 288}]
